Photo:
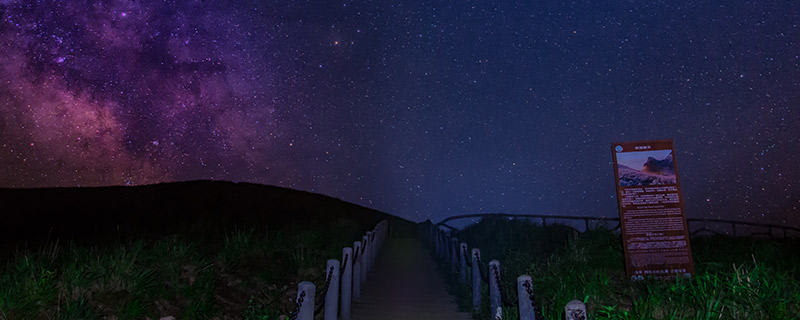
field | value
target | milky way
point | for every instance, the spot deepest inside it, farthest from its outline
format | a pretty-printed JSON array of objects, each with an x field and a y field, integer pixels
[{"x": 422, "y": 109}]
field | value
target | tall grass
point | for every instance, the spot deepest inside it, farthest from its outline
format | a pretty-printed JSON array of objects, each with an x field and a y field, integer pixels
[
  {"x": 249, "y": 273},
  {"x": 737, "y": 278}
]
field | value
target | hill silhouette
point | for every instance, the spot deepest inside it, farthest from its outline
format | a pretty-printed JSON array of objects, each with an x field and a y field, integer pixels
[
  {"x": 198, "y": 208},
  {"x": 665, "y": 166}
]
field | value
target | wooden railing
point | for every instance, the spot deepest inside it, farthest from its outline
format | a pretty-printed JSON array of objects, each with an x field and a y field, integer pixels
[{"x": 350, "y": 274}]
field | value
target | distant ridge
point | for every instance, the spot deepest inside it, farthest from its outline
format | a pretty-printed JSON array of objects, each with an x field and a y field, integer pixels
[
  {"x": 664, "y": 166},
  {"x": 206, "y": 207}
]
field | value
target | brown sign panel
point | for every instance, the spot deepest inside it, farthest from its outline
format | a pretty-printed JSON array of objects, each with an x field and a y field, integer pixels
[{"x": 655, "y": 234}]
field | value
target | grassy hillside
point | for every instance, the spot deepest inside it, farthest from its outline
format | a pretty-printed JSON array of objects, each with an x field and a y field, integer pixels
[
  {"x": 193, "y": 250},
  {"x": 737, "y": 278}
]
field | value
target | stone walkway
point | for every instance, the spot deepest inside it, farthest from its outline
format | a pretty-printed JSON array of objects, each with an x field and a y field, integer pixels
[{"x": 404, "y": 285}]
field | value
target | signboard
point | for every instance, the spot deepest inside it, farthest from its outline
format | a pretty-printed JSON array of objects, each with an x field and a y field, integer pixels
[{"x": 655, "y": 234}]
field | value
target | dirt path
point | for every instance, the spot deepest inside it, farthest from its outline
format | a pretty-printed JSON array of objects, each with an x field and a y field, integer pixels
[{"x": 405, "y": 284}]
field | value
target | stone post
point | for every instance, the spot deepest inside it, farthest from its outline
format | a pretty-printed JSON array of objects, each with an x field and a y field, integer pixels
[
  {"x": 432, "y": 235},
  {"x": 524, "y": 291},
  {"x": 375, "y": 248},
  {"x": 371, "y": 248},
  {"x": 438, "y": 238},
  {"x": 575, "y": 310},
  {"x": 357, "y": 271},
  {"x": 454, "y": 254},
  {"x": 448, "y": 247},
  {"x": 380, "y": 234},
  {"x": 364, "y": 258},
  {"x": 347, "y": 282},
  {"x": 462, "y": 259},
  {"x": 476, "y": 278},
  {"x": 383, "y": 233},
  {"x": 494, "y": 285},
  {"x": 306, "y": 291},
  {"x": 332, "y": 295}
]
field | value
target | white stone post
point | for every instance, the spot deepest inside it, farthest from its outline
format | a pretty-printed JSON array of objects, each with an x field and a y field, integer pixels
[
  {"x": 306, "y": 291},
  {"x": 383, "y": 232},
  {"x": 364, "y": 258},
  {"x": 347, "y": 282},
  {"x": 575, "y": 310},
  {"x": 448, "y": 247},
  {"x": 332, "y": 295},
  {"x": 476, "y": 278},
  {"x": 454, "y": 254},
  {"x": 524, "y": 291},
  {"x": 494, "y": 285},
  {"x": 371, "y": 251},
  {"x": 357, "y": 271},
  {"x": 438, "y": 242},
  {"x": 374, "y": 252},
  {"x": 462, "y": 261}
]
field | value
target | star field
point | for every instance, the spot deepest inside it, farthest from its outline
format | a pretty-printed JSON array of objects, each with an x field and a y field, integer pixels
[{"x": 421, "y": 109}]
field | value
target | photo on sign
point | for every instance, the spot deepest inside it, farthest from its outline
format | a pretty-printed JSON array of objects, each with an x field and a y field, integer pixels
[{"x": 645, "y": 168}]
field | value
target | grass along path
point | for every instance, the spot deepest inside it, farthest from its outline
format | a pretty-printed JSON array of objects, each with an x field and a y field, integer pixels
[
  {"x": 737, "y": 278},
  {"x": 239, "y": 274}
]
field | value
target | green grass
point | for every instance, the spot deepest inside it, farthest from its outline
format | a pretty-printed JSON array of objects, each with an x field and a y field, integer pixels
[
  {"x": 736, "y": 278},
  {"x": 244, "y": 273}
]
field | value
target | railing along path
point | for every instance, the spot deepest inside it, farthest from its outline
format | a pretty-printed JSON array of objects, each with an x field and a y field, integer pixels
[
  {"x": 342, "y": 280},
  {"x": 769, "y": 228},
  {"x": 469, "y": 266}
]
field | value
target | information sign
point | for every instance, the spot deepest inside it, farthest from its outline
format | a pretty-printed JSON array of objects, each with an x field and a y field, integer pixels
[{"x": 654, "y": 230}]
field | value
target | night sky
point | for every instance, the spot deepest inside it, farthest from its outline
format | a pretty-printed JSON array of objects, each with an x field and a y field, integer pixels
[{"x": 422, "y": 109}]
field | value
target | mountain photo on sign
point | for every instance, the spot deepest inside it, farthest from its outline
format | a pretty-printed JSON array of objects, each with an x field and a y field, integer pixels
[{"x": 645, "y": 168}]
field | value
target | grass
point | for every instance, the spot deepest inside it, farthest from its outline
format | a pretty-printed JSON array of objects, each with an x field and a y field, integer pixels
[
  {"x": 736, "y": 278},
  {"x": 240, "y": 273}
]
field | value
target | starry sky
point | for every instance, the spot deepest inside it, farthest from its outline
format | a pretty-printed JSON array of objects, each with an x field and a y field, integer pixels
[{"x": 422, "y": 109}]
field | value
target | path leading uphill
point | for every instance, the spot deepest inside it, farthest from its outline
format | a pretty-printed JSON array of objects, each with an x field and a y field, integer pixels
[{"x": 404, "y": 285}]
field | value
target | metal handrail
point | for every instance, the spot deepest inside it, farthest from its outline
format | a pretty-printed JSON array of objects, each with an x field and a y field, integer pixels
[
  {"x": 587, "y": 219},
  {"x": 575, "y": 306}
]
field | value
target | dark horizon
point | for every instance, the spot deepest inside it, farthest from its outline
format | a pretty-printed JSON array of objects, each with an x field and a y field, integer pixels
[{"x": 422, "y": 110}]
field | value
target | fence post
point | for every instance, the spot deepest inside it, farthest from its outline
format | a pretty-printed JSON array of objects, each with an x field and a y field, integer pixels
[
  {"x": 462, "y": 259},
  {"x": 332, "y": 295},
  {"x": 525, "y": 293},
  {"x": 494, "y": 285},
  {"x": 374, "y": 253},
  {"x": 364, "y": 260},
  {"x": 575, "y": 310},
  {"x": 305, "y": 297},
  {"x": 476, "y": 278},
  {"x": 347, "y": 282},
  {"x": 449, "y": 249},
  {"x": 379, "y": 234},
  {"x": 357, "y": 271},
  {"x": 383, "y": 231},
  {"x": 371, "y": 249},
  {"x": 438, "y": 245},
  {"x": 454, "y": 253},
  {"x": 432, "y": 235},
  {"x": 444, "y": 247}
]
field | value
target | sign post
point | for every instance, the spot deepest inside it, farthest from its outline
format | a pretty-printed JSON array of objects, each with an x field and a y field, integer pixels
[{"x": 655, "y": 234}]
